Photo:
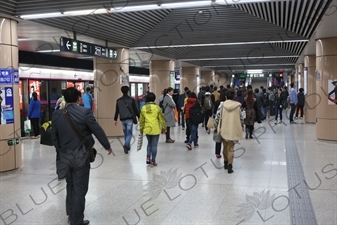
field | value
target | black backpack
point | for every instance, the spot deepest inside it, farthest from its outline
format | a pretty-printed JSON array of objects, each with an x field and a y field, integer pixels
[
  {"x": 196, "y": 114},
  {"x": 161, "y": 105}
]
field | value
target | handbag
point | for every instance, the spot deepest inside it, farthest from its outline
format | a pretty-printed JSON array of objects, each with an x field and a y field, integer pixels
[
  {"x": 140, "y": 142},
  {"x": 27, "y": 126},
  {"x": 210, "y": 123},
  {"x": 243, "y": 114},
  {"x": 134, "y": 117},
  {"x": 92, "y": 151},
  {"x": 217, "y": 137}
]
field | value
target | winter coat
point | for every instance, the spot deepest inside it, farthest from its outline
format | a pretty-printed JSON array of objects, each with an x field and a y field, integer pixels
[
  {"x": 300, "y": 99},
  {"x": 259, "y": 99},
  {"x": 151, "y": 121},
  {"x": 189, "y": 104},
  {"x": 251, "y": 112},
  {"x": 169, "y": 106},
  {"x": 231, "y": 126},
  {"x": 216, "y": 96},
  {"x": 34, "y": 110}
]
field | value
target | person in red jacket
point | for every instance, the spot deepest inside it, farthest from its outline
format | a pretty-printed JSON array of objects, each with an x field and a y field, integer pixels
[{"x": 192, "y": 99}]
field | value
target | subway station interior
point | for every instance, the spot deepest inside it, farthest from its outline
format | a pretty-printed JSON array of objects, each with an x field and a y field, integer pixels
[{"x": 286, "y": 174}]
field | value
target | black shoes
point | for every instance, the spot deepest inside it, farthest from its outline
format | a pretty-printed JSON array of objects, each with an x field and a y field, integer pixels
[
  {"x": 85, "y": 222},
  {"x": 126, "y": 149},
  {"x": 226, "y": 165},
  {"x": 230, "y": 168}
]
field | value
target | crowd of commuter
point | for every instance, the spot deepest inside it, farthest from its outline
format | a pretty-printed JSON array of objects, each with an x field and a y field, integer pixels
[{"x": 226, "y": 113}]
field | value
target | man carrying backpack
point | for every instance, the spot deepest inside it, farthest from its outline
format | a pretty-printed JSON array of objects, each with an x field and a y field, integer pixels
[{"x": 207, "y": 105}]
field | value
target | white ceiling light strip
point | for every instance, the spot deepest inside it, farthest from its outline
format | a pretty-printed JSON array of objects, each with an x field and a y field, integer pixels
[
  {"x": 243, "y": 58},
  {"x": 220, "y": 44},
  {"x": 250, "y": 65},
  {"x": 140, "y": 8}
]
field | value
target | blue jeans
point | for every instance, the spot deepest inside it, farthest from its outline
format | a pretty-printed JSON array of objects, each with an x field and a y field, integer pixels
[
  {"x": 193, "y": 136},
  {"x": 152, "y": 146},
  {"x": 127, "y": 130},
  {"x": 292, "y": 111},
  {"x": 278, "y": 110}
]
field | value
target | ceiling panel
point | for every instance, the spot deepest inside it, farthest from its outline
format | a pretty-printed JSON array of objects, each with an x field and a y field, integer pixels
[{"x": 215, "y": 25}]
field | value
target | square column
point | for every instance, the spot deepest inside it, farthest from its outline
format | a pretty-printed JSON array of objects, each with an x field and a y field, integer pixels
[
  {"x": 326, "y": 66},
  {"x": 160, "y": 76},
  {"x": 10, "y": 127},
  {"x": 108, "y": 74},
  {"x": 311, "y": 97},
  {"x": 188, "y": 78}
]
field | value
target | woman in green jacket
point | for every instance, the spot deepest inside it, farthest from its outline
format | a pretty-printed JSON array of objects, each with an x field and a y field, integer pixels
[{"x": 152, "y": 123}]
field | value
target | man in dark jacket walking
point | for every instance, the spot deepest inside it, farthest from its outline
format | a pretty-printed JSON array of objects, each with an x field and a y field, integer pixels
[
  {"x": 126, "y": 109},
  {"x": 181, "y": 101},
  {"x": 72, "y": 160}
]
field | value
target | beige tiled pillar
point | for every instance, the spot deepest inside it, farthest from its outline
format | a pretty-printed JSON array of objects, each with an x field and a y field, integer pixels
[
  {"x": 326, "y": 66},
  {"x": 224, "y": 80},
  {"x": 188, "y": 78},
  {"x": 108, "y": 90},
  {"x": 160, "y": 76},
  {"x": 311, "y": 97},
  {"x": 206, "y": 78},
  {"x": 10, "y": 155}
]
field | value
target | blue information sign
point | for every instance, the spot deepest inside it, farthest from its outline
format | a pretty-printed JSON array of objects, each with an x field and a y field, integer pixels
[
  {"x": 16, "y": 76},
  {"x": 5, "y": 76}
]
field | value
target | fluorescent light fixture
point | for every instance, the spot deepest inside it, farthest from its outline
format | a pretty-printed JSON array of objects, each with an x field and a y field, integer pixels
[
  {"x": 26, "y": 39},
  {"x": 46, "y": 51},
  {"x": 250, "y": 65},
  {"x": 40, "y": 16},
  {"x": 243, "y": 58},
  {"x": 254, "y": 71},
  {"x": 85, "y": 57},
  {"x": 185, "y": 4},
  {"x": 219, "y": 44}
]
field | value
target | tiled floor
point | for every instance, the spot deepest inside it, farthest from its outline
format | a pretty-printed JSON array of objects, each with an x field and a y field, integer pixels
[{"x": 187, "y": 187}]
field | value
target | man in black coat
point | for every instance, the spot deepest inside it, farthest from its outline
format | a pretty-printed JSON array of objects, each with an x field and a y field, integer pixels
[{"x": 73, "y": 159}]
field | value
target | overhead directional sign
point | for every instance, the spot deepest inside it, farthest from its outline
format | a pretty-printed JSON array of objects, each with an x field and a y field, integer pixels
[{"x": 80, "y": 47}]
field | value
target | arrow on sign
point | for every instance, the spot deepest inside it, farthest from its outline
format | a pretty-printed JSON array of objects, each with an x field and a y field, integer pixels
[{"x": 68, "y": 45}]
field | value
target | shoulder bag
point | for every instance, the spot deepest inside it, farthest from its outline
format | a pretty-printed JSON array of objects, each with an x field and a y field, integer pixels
[
  {"x": 92, "y": 151},
  {"x": 134, "y": 117}
]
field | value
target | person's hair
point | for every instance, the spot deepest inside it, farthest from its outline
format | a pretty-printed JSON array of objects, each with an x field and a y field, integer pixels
[
  {"x": 186, "y": 89},
  {"x": 292, "y": 85},
  {"x": 88, "y": 89},
  {"x": 164, "y": 91},
  {"x": 269, "y": 88},
  {"x": 34, "y": 95},
  {"x": 250, "y": 96},
  {"x": 223, "y": 94},
  {"x": 215, "y": 88},
  {"x": 261, "y": 87},
  {"x": 71, "y": 95},
  {"x": 256, "y": 90},
  {"x": 228, "y": 86},
  {"x": 301, "y": 90},
  {"x": 239, "y": 93},
  {"x": 125, "y": 90},
  {"x": 230, "y": 94},
  {"x": 63, "y": 91},
  {"x": 192, "y": 95},
  {"x": 175, "y": 90},
  {"x": 211, "y": 86},
  {"x": 150, "y": 97},
  {"x": 207, "y": 88},
  {"x": 188, "y": 92},
  {"x": 221, "y": 87},
  {"x": 249, "y": 87},
  {"x": 169, "y": 89},
  {"x": 264, "y": 90}
]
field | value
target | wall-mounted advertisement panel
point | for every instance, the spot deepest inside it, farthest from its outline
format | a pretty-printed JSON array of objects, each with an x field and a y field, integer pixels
[
  {"x": 172, "y": 79},
  {"x": 332, "y": 91},
  {"x": 7, "y": 108}
]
